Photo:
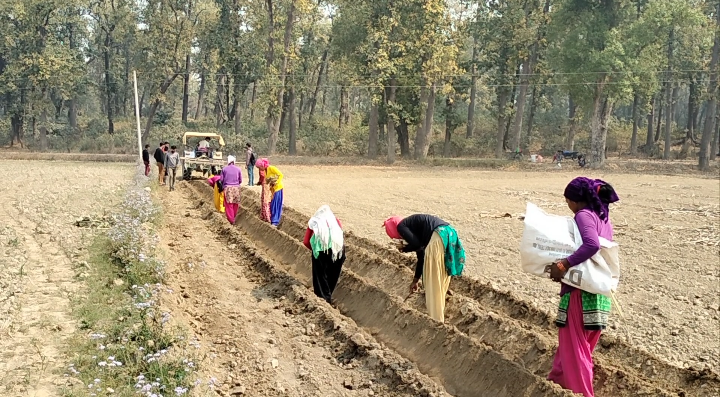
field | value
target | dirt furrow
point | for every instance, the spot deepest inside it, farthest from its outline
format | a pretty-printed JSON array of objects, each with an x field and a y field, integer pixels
[
  {"x": 464, "y": 366},
  {"x": 264, "y": 333},
  {"x": 518, "y": 330}
]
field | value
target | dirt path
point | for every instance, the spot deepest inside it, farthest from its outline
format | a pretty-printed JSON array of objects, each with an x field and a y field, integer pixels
[
  {"x": 261, "y": 335},
  {"x": 39, "y": 245}
]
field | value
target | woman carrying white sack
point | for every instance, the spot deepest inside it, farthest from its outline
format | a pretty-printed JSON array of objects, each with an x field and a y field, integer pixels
[
  {"x": 582, "y": 315},
  {"x": 324, "y": 237}
]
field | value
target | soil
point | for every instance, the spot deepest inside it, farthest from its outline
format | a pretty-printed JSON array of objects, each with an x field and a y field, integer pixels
[
  {"x": 261, "y": 333},
  {"x": 243, "y": 291},
  {"x": 41, "y": 253},
  {"x": 667, "y": 227}
]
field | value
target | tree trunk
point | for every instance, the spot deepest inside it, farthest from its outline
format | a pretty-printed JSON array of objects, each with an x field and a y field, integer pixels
[
  {"x": 533, "y": 108},
  {"x": 72, "y": 114},
  {"x": 598, "y": 125},
  {"x": 17, "y": 124},
  {"x": 714, "y": 149},
  {"x": 659, "y": 117},
  {"x": 323, "y": 66},
  {"x": 516, "y": 132},
  {"x": 709, "y": 128},
  {"x": 391, "y": 133},
  {"x": 429, "y": 117},
  {"x": 252, "y": 102},
  {"x": 292, "y": 146},
  {"x": 633, "y": 139},
  {"x": 186, "y": 90},
  {"x": 650, "y": 119},
  {"x": 473, "y": 91},
  {"x": 108, "y": 84},
  {"x": 690, "y": 125},
  {"x": 668, "y": 123},
  {"x": 220, "y": 91},
  {"x": 373, "y": 130},
  {"x": 449, "y": 110},
  {"x": 668, "y": 97},
  {"x": 572, "y": 112},
  {"x": 237, "y": 112},
  {"x": 43, "y": 131},
  {"x": 272, "y": 120},
  {"x": 424, "y": 126},
  {"x": 404, "y": 138},
  {"x": 283, "y": 114},
  {"x": 154, "y": 106},
  {"x": 201, "y": 97},
  {"x": 501, "y": 121},
  {"x": 343, "y": 106}
]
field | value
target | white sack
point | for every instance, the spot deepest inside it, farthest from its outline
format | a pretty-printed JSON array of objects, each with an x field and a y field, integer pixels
[{"x": 548, "y": 238}]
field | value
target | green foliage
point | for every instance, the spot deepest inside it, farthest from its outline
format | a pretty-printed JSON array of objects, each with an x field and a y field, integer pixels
[{"x": 61, "y": 54}]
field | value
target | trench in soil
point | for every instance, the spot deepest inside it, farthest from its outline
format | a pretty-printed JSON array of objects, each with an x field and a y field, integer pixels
[{"x": 492, "y": 341}]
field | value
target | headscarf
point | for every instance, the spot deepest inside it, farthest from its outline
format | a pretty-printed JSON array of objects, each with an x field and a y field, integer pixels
[
  {"x": 391, "y": 225},
  {"x": 262, "y": 163},
  {"x": 211, "y": 181},
  {"x": 231, "y": 159},
  {"x": 587, "y": 190},
  {"x": 327, "y": 232}
]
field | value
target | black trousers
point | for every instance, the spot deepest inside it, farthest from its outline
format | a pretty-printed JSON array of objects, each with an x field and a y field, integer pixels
[{"x": 325, "y": 274}]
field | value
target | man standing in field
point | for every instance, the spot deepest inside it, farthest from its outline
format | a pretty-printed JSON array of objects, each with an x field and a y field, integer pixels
[
  {"x": 146, "y": 159},
  {"x": 171, "y": 162},
  {"x": 159, "y": 157},
  {"x": 250, "y": 163}
]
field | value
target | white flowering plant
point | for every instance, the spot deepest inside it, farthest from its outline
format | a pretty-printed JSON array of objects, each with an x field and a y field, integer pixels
[{"x": 127, "y": 346}]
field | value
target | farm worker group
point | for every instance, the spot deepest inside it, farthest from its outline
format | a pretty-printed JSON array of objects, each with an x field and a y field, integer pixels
[
  {"x": 227, "y": 192},
  {"x": 440, "y": 255}
]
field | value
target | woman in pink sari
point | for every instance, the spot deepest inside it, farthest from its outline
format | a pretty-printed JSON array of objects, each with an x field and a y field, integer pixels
[
  {"x": 231, "y": 180},
  {"x": 265, "y": 197}
]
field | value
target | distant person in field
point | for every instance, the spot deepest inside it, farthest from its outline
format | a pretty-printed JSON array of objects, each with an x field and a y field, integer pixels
[
  {"x": 250, "y": 160},
  {"x": 218, "y": 195},
  {"x": 146, "y": 159},
  {"x": 581, "y": 315},
  {"x": 231, "y": 180},
  {"x": 172, "y": 160},
  {"x": 159, "y": 157},
  {"x": 324, "y": 237},
  {"x": 265, "y": 196},
  {"x": 166, "y": 149},
  {"x": 439, "y": 251},
  {"x": 274, "y": 180}
]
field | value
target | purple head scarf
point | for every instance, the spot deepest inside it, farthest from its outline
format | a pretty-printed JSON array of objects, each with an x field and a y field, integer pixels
[{"x": 588, "y": 190}]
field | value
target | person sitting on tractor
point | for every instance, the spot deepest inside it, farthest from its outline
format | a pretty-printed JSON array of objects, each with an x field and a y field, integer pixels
[{"x": 203, "y": 148}]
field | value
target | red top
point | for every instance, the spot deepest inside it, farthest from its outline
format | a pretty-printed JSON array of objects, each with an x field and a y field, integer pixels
[{"x": 309, "y": 233}]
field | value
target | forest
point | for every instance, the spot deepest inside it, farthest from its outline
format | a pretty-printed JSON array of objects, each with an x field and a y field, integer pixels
[{"x": 375, "y": 78}]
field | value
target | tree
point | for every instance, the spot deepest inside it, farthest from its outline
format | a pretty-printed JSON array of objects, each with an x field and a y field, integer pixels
[
  {"x": 590, "y": 52},
  {"x": 710, "y": 119}
]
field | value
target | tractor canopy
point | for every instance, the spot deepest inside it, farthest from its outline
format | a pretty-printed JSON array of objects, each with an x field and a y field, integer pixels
[{"x": 210, "y": 135}]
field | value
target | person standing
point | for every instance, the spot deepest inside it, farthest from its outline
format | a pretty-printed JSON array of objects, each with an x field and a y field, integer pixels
[
  {"x": 324, "y": 237},
  {"x": 231, "y": 176},
  {"x": 159, "y": 157},
  {"x": 581, "y": 315},
  {"x": 439, "y": 251},
  {"x": 265, "y": 196},
  {"x": 146, "y": 159},
  {"x": 250, "y": 160},
  {"x": 274, "y": 179},
  {"x": 172, "y": 160}
]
